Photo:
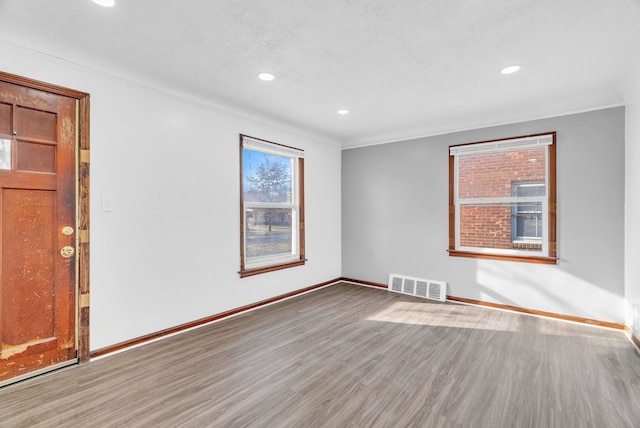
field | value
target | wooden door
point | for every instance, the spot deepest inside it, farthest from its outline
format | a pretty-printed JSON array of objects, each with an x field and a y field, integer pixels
[{"x": 38, "y": 135}]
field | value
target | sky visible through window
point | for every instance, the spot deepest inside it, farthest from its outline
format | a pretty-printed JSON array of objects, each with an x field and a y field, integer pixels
[{"x": 253, "y": 160}]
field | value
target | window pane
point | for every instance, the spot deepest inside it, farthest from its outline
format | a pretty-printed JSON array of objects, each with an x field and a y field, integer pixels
[
  {"x": 5, "y": 154},
  {"x": 527, "y": 216},
  {"x": 489, "y": 175},
  {"x": 492, "y": 226},
  {"x": 528, "y": 220},
  {"x": 524, "y": 189},
  {"x": 267, "y": 177},
  {"x": 268, "y": 232}
]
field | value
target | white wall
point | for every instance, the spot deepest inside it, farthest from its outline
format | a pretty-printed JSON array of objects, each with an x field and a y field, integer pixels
[
  {"x": 395, "y": 219},
  {"x": 168, "y": 253},
  {"x": 632, "y": 211}
]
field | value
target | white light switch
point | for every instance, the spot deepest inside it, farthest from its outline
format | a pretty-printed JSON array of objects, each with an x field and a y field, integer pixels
[{"x": 107, "y": 203}]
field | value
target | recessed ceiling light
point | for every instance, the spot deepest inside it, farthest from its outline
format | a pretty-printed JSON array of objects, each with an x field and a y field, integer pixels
[
  {"x": 510, "y": 69},
  {"x": 343, "y": 112},
  {"x": 267, "y": 77},
  {"x": 105, "y": 3}
]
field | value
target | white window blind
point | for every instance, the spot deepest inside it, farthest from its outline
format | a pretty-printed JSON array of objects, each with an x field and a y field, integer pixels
[
  {"x": 501, "y": 146},
  {"x": 271, "y": 148}
]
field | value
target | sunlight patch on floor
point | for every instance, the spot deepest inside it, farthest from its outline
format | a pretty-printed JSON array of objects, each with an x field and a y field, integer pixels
[{"x": 436, "y": 315}]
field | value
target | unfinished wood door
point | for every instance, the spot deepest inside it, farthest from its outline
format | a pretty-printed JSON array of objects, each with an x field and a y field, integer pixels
[{"x": 38, "y": 136}]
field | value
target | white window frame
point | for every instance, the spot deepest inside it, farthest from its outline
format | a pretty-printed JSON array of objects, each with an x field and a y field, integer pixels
[
  {"x": 497, "y": 146},
  {"x": 255, "y": 265}
]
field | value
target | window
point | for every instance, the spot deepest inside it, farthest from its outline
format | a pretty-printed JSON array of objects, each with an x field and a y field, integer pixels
[
  {"x": 502, "y": 199},
  {"x": 272, "y": 206}
]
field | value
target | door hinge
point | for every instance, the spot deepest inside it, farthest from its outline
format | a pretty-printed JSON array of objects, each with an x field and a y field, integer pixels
[
  {"x": 85, "y": 156},
  {"x": 84, "y": 300},
  {"x": 84, "y": 236}
]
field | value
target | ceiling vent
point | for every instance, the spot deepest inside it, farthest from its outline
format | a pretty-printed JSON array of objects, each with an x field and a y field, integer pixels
[{"x": 426, "y": 288}]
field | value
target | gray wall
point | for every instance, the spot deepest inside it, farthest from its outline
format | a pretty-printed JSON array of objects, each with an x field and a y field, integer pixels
[{"x": 395, "y": 205}]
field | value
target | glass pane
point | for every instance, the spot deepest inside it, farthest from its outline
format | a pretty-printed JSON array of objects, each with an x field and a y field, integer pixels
[
  {"x": 5, "y": 154},
  {"x": 528, "y": 220},
  {"x": 527, "y": 216},
  {"x": 490, "y": 175},
  {"x": 268, "y": 232},
  {"x": 267, "y": 177},
  {"x": 528, "y": 189},
  {"x": 498, "y": 225}
]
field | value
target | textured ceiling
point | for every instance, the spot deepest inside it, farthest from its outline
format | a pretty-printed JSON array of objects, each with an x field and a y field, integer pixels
[{"x": 403, "y": 68}]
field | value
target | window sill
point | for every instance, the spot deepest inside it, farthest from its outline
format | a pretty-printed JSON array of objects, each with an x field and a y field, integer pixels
[
  {"x": 264, "y": 269},
  {"x": 513, "y": 258}
]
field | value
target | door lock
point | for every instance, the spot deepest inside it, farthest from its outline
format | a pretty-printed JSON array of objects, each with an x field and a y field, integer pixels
[{"x": 67, "y": 251}]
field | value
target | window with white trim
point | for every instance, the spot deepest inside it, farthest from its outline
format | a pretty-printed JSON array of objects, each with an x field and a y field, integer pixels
[
  {"x": 502, "y": 199},
  {"x": 272, "y": 206}
]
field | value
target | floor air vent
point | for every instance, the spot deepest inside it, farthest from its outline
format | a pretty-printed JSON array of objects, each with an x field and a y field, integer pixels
[{"x": 434, "y": 290}]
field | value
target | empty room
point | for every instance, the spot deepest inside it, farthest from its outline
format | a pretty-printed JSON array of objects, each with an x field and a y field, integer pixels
[{"x": 319, "y": 214}]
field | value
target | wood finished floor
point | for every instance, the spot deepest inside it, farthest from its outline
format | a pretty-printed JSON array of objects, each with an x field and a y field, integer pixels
[{"x": 348, "y": 356}]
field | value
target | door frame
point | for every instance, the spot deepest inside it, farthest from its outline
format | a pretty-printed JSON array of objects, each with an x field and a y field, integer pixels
[{"x": 82, "y": 200}]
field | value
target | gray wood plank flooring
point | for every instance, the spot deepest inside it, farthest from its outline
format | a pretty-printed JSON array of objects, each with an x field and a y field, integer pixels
[{"x": 347, "y": 356}]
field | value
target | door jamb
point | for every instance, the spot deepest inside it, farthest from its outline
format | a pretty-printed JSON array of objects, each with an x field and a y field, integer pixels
[{"x": 82, "y": 201}]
